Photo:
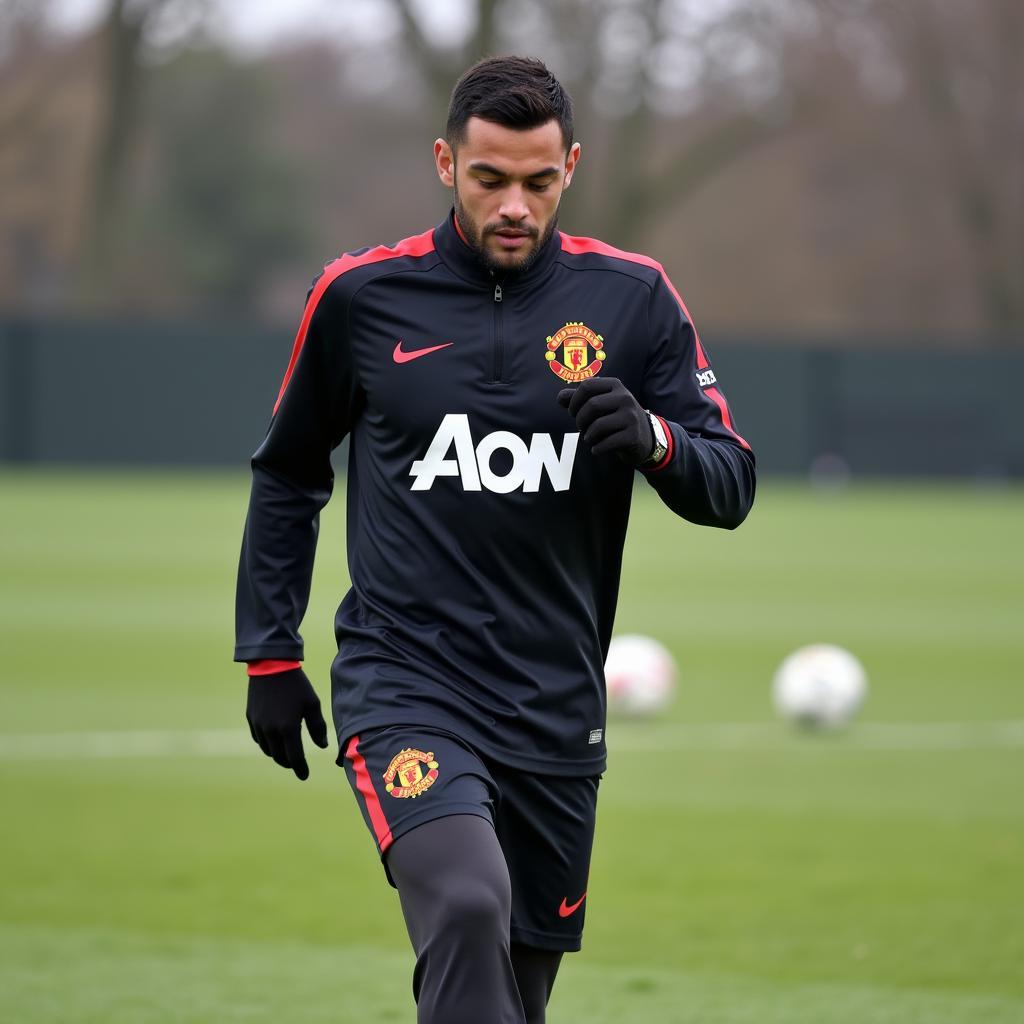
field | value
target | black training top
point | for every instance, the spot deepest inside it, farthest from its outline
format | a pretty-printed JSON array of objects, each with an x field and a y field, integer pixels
[{"x": 484, "y": 538}]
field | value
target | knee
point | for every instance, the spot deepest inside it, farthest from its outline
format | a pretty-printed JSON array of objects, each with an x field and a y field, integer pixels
[{"x": 477, "y": 908}]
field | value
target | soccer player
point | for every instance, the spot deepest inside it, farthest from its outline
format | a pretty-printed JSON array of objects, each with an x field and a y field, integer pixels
[{"x": 501, "y": 384}]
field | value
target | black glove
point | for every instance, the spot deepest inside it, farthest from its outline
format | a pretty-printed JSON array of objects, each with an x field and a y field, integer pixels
[
  {"x": 610, "y": 418},
  {"x": 275, "y": 709}
]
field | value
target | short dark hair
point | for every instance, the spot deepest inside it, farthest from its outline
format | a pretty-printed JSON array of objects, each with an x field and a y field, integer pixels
[{"x": 515, "y": 92}]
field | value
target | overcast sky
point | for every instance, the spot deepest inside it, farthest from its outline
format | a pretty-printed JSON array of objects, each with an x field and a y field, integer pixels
[{"x": 254, "y": 25}]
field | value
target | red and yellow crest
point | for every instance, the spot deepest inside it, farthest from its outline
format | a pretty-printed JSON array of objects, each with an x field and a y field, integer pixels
[
  {"x": 405, "y": 776},
  {"x": 575, "y": 340}
]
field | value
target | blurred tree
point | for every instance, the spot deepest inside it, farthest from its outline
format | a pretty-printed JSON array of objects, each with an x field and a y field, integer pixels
[
  {"x": 222, "y": 204},
  {"x": 127, "y": 28},
  {"x": 645, "y": 67},
  {"x": 20, "y": 22},
  {"x": 183, "y": 168},
  {"x": 859, "y": 163},
  {"x": 959, "y": 74},
  {"x": 671, "y": 94},
  {"x": 46, "y": 115}
]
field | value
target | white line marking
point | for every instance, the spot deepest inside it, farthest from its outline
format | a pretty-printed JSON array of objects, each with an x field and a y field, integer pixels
[
  {"x": 909, "y": 736},
  {"x": 59, "y": 746},
  {"x": 624, "y": 738}
]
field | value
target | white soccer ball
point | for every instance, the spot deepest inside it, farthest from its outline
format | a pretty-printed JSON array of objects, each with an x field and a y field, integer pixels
[
  {"x": 820, "y": 686},
  {"x": 640, "y": 675}
]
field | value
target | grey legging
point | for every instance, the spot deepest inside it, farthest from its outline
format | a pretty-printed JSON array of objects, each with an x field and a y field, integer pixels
[{"x": 455, "y": 893}]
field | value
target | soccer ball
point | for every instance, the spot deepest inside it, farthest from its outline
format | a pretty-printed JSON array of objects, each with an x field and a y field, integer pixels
[
  {"x": 640, "y": 675},
  {"x": 820, "y": 686}
]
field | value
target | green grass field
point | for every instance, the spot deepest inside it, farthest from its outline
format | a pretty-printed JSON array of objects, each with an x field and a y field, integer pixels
[{"x": 742, "y": 873}]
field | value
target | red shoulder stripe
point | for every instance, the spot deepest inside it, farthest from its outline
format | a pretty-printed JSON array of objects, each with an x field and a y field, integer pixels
[
  {"x": 574, "y": 244},
  {"x": 416, "y": 245}
]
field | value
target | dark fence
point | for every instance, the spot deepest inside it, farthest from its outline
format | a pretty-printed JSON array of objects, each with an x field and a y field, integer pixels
[{"x": 174, "y": 394}]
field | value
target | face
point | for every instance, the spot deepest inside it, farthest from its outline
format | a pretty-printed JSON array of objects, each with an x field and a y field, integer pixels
[{"x": 508, "y": 185}]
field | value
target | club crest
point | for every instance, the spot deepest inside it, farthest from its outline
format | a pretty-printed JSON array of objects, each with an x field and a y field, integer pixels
[
  {"x": 575, "y": 340},
  {"x": 405, "y": 777}
]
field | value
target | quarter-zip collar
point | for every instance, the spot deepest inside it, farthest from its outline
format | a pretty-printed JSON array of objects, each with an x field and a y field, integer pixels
[{"x": 461, "y": 259}]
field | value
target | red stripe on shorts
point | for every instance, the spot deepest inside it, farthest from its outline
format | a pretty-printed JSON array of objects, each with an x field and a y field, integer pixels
[{"x": 364, "y": 784}]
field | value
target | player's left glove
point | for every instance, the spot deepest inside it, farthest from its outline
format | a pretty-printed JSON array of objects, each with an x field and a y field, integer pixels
[
  {"x": 610, "y": 418},
  {"x": 277, "y": 706}
]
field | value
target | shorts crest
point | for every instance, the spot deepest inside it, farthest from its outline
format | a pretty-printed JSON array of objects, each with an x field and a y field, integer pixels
[{"x": 405, "y": 777}]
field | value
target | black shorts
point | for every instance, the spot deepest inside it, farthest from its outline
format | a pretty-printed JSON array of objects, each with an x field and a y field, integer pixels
[{"x": 404, "y": 776}]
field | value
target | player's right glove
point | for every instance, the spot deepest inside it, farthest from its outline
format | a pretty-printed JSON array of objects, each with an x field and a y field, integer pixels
[
  {"x": 275, "y": 710},
  {"x": 610, "y": 418}
]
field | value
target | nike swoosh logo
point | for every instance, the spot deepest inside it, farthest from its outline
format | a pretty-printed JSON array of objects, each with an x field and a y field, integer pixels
[
  {"x": 564, "y": 911},
  {"x": 407, "y": 357}
]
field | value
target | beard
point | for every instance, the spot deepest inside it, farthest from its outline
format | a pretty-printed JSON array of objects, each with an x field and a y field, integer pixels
[{"x": 475, "y": 238}]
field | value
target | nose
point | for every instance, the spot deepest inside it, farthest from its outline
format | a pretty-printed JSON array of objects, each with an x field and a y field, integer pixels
[{"x": 513, "y": 204}]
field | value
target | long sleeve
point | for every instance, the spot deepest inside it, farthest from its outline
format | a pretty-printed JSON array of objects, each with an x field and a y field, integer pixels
[
  {"x": 707, "y": 475},
  {"x": 292, "y": 480}
]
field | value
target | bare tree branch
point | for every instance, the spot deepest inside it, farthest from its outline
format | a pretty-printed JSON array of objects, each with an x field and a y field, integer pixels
[{"x": 432, "y": 64}]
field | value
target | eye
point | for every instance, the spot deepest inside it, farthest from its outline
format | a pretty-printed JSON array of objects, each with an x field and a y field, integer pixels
[
  {"x": 540, "y": 187},
  {"x": 489, "y": 182}
]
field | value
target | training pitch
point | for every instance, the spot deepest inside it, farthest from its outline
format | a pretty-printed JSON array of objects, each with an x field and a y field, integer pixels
[{"x": 157, "y": 868}]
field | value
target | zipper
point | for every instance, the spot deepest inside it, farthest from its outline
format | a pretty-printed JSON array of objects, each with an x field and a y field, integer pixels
[{"x": 497, "y": 366}]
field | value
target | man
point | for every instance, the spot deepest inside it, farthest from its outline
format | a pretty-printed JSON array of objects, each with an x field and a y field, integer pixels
[{"x": 494, "y": 377}]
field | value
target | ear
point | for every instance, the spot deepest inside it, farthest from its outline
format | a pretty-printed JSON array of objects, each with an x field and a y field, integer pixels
[
  {"x": 570, "y": 163},
  {"x": 444, "y": 161}
]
